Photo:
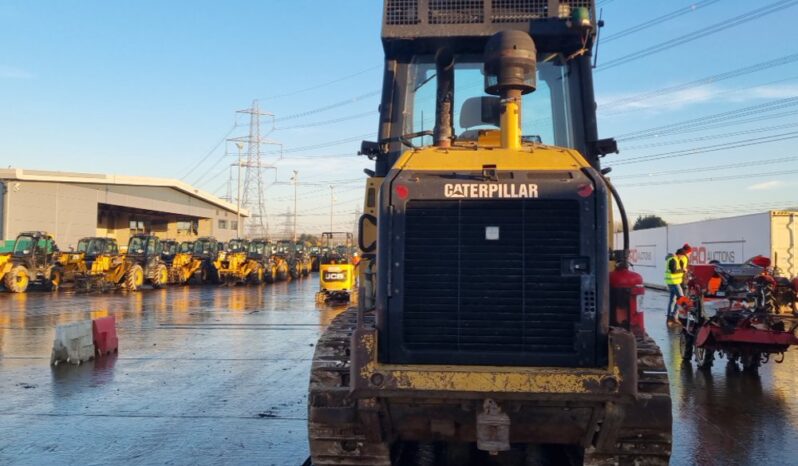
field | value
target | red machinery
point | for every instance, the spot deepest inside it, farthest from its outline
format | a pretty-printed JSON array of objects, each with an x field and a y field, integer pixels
[{"x": 736, "y": 311}]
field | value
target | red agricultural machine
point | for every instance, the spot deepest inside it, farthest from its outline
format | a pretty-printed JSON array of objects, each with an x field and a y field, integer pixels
[{"x": 743, "y": 312}]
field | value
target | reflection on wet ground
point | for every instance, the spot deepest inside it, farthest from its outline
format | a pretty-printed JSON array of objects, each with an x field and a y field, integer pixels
[
  {"x": 219, "y": 375},
  {"x": 727, "y": 416},
  {"x": 203, "y": 375}
]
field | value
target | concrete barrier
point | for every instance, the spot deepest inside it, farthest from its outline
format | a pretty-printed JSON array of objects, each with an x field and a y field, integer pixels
[
  {"x": 73, "y": 343},
  {"x": 105, "y": 340}
]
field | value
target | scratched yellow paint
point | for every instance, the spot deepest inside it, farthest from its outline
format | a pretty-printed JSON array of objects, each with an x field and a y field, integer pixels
[{"x": 484, "y": 379}]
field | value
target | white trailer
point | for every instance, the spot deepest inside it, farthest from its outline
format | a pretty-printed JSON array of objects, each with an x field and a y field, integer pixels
[{"x": 728, "y": 240}]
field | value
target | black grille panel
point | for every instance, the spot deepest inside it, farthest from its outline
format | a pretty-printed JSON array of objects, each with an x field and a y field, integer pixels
[
  {"x": 401, "y": 12},
  {"x": 464, "y": 293},
  {"x": 453, "y": 12},
  {"x": 456, "y": 11}
]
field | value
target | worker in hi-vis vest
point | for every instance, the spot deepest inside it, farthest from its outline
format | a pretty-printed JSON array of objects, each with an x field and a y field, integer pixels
[{"x": 675, "y": 270}]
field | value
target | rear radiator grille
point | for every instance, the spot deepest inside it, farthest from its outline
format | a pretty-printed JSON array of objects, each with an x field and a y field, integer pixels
[
  {"x": 456, "y": 11},
  {"x": 442, "y": 12},
  {"x": 514, "y": 11},
  {"x": 465, "y": 293},
  {"x": 401, "y": 12}
]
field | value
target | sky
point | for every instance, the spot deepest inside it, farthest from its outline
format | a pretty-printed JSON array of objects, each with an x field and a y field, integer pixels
[{"x": 152, "y": 88}]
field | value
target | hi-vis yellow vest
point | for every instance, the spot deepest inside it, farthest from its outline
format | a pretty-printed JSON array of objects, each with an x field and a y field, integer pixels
[{"x": 677, "y": 277}]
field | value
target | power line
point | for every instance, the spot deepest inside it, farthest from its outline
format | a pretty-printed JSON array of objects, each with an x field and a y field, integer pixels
[
  {"x": 658, "y": 20},
  {"x": 324, "y": 84},
  {"x": 681, "y": 172},
  {"x": 325, "y": 108},
  {"x": 710, "y": 179},
  {"x": 209, "y": 170},
  {"x": 723, "y": 124},
  {"x": 762, "y": 66},
  {"x": 325, "y": 144},
  {"x": 723, "y": 116},
  {"x": 710, "y": 137},
  {"x": 327, "y": 156},
  {"x": 210, "y": 152},
  {"x": 713, "y": 148},
  {"x": 327, "y": 122},
  {"x": 757, "y": 13},
  {"x": 722, "y": 209}
]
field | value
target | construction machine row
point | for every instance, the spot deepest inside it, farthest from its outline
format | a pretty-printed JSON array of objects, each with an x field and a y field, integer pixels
[{"x": 99, "y": 264}]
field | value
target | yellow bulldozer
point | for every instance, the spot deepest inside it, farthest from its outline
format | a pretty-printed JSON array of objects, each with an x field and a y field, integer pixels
[{"x": 503, "y": 327}]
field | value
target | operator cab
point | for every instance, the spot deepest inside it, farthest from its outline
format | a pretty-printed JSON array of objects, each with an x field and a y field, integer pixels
[
  {"x": 237, "y": 245},
  {"x": 437, "y": 92}
]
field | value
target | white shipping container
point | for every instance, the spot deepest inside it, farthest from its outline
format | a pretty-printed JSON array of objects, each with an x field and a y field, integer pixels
[{"x": 728, "y": 240}]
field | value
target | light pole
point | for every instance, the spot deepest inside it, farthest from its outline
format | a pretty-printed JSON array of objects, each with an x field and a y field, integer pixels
[
  {"x": 296, "y": 181},
  {"x": 238, "y": 192},
  {"x": 332, "y": 200}
]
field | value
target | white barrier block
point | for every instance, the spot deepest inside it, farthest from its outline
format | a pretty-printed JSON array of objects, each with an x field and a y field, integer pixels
[{"x": 73, "y": 343}]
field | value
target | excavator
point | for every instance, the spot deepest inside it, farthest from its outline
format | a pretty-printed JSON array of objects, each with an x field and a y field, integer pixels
[{"x": 498, "y": 322}]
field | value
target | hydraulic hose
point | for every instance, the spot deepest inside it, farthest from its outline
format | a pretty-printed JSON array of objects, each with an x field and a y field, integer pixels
[{"x": 624, "y": 219}]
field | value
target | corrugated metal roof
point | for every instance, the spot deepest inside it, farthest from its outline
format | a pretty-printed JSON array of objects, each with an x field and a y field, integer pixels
[{"x": 121, "y": 180}]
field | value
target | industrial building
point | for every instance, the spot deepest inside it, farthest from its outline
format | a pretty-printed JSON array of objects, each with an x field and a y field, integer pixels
[
  {"x": 731, "y": 240},
  {"x": 74, "y": 205}
]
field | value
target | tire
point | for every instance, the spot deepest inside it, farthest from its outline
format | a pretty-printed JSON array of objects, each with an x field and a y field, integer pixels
[
  {"x": 211, "y": 275},
  {"x": 160, "y": 277},
  {"x": 256, "y": 276},
  {"x": 704, "y": 357},
  {"x": 686, "y": 346},
  {"x": 295, "y": 271},
  {"x": 750, "y": 361},
  {"x": 134, "y": 278},
  {"x": 271, "y": 274},
  {"x": 282, "y": 275},
  {"x": 17, "y": 279}
]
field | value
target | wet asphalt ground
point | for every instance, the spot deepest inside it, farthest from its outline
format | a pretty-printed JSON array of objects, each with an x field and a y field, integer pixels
[{"x": 219, "y": 376}]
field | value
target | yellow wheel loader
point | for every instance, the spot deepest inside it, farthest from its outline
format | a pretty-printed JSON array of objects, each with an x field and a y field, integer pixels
[{"x": 503, "y": 327}]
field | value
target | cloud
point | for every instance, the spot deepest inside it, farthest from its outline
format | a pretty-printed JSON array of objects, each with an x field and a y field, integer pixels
[
  {"x": 612, "y": 104},
  {"x": 12, "y": 72},
  {"x": 766, "y": 185}
]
